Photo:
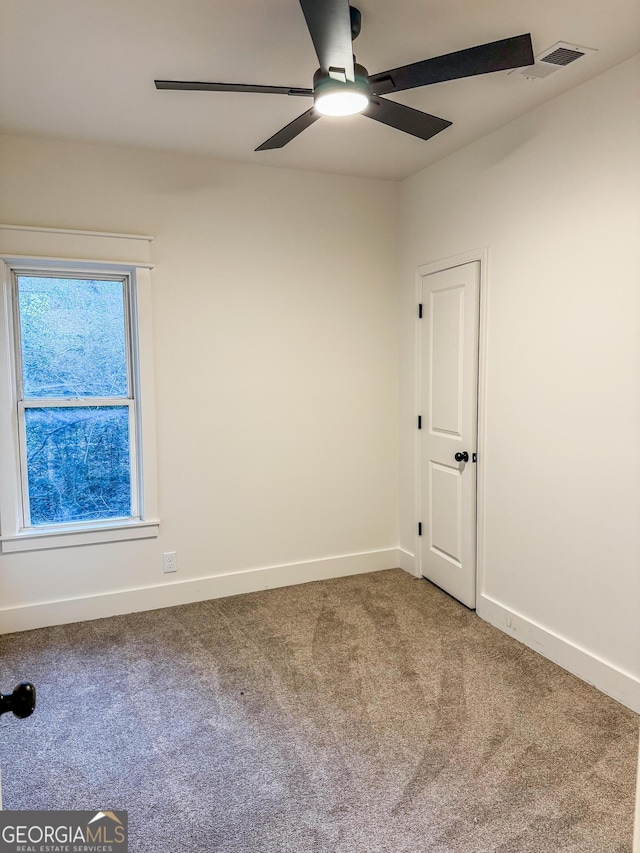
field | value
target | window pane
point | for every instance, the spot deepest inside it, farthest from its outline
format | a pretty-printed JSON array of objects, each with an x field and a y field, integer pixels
[
  {"x": 73, "y": 337},
  {"x": 78, "y": 463}
]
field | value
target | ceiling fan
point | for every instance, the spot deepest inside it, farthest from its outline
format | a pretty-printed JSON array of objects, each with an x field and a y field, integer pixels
[{"x": 343, "y": 87}]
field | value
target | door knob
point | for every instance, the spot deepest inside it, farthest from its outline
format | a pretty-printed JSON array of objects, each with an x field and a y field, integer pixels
[
  {"x": 22, "y": 701},
  {"x": 462, "y": 457}
]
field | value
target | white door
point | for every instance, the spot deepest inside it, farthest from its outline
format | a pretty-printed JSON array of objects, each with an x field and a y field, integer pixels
[{"x": 449, "y": 424}]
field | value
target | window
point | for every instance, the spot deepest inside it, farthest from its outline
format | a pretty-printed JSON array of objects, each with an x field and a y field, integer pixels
[
  {"x": 77, "y": 350},
  {"x": 76, "y": 398}
]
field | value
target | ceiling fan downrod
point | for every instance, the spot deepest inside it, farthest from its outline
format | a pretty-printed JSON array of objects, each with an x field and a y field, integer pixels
[{"x": 356, "y": 22}]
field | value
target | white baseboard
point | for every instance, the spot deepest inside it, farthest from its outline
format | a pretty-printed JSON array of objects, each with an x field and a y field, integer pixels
[
  {"x": 407, "y": 561},
  {"x": 187, "y": 591},
  {"x": 620, "y": 685}
]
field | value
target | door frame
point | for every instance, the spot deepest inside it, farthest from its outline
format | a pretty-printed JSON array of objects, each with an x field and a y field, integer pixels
[{"x": 482, "y": 256}]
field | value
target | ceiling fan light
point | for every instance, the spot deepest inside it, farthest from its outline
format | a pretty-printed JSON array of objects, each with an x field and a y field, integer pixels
[
  {"x": 334, "y": 97},
  {"x": 341, "y": 103}
]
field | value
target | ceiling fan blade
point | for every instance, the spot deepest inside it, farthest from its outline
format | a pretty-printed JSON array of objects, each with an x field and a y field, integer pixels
[
  {"x": 329, "y": 23},
  {"x": 500, "y": 55},
  {"x": 405, "y": 118},
  {"x": 280, "y": 139},
  {"x": 194, "y": 86}
]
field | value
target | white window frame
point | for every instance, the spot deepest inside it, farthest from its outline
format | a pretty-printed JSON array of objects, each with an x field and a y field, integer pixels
[{"x": 15, "y": 534}]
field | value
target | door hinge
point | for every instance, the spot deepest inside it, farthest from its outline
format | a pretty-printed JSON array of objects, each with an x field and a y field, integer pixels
[
  {"x": 419, "y": 421},
  {"x": 419, "y": 528},
  {"x": 420, "y": 311}
]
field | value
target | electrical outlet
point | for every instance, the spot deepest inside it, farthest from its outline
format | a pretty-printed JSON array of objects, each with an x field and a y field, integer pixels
[{"x": 169, "y": 562}]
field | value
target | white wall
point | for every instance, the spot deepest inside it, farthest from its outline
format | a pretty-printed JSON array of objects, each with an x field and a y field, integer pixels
[
  {"x": 555, "y": 196},
  {"x": 274, "y": 298}
]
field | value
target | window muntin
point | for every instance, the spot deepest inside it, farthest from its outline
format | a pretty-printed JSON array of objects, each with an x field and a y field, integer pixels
[{"x": 76, "y": 398}]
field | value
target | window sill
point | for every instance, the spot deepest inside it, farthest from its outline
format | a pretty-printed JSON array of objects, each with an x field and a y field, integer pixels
[{"x": 70, "y": 536}]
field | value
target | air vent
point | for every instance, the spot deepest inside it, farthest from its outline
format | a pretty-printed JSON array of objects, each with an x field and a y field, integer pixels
[
  {"x": 555, "y": 58},
  {"x": 562, "y": 56}
]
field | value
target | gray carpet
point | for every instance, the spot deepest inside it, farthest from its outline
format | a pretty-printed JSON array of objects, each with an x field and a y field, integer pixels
[{"x": 370, "y": 713}]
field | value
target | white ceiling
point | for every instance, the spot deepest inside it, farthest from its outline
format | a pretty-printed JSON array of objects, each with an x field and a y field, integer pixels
[{"x": 84, "y": 70}]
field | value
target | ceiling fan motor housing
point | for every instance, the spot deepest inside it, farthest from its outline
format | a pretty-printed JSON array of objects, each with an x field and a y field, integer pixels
[{"x": 324, "y": 83}]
